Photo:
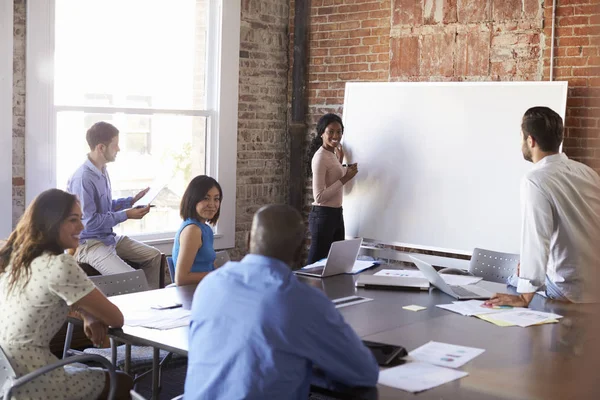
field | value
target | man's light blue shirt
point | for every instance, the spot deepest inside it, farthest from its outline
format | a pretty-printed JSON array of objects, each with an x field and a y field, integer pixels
[
  {"x": 256, "y": 332},
  {"x": 100, "y": 212}
]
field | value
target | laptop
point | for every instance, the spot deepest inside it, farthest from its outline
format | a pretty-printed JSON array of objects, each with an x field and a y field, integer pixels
[
  {"x": 459, "y": 292},
  {"x": 340, "y": 260}
]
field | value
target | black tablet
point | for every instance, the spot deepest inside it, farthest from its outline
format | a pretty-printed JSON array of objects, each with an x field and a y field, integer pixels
[{"x": 385, "y": 354}]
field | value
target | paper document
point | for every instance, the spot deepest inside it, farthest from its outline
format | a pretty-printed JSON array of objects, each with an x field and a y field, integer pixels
[
  {"x": 490, "y": 318},
  {"x": 445, "y": 355},
  {"x": 525, "y": 317},
  {"x": 418, "y": 376},
  {"x": 359, "y": 265},
  {"x": 449, "y": 279},
  {"x": 414, "y": 308},
  {"x": 159, "y": 319},
  {"x": 472, "y": 307}
]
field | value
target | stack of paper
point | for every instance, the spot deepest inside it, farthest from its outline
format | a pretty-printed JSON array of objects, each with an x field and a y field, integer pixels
[
  {"x": 449, "y": 279},
  {"x": 420, "y": 374},
  {"x": 526, "y": 317},
  {"x": 417, "y": 376},
  {"x": 502, "y": 315},
  {"x": 472, "y": 307},
  {"x": 359, "y": 265},
  {"x": 159, "y": 319}
]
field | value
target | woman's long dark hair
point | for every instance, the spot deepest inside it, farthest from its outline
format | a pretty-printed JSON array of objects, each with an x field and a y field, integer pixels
[
  {"x": 317, "y": 141},
  {"x": 37, "y": 232},
  {"x": 195, "y": 193}
]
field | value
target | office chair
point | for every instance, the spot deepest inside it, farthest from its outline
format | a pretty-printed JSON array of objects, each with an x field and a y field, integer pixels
[
  {"x": 493, "y": 266},
  {"x": 221, "y": 259},
  {"x": 171, "y": 268},
  {"x": 9, "y": 380},
  {"x": 131, "y": 359}
]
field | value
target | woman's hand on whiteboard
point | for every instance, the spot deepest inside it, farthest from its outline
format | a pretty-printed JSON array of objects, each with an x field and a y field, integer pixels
[{"x": 351, "y": 172}]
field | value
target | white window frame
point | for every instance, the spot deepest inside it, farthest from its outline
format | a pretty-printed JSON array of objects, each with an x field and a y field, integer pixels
[
  {"x": 222, "y": 109},
  {"x": 6, "y": 117}
]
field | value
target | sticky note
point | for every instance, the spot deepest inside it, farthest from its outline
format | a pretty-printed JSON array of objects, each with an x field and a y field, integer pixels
[{"x": 414, "y": 308}]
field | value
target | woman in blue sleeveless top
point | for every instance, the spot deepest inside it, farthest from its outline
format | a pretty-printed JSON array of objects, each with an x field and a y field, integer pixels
[{"x": 193, "y": 251}]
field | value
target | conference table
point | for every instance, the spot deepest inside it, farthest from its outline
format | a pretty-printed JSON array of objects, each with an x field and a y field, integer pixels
[{"x": 548, "y": 361}]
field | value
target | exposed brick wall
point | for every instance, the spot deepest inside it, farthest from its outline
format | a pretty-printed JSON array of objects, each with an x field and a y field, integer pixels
[
  {"x": 18, "y": 138},
  {"x": 456, "y": 40},
  {"x": 262, "y": 166},
  {"x": 577, "y": 60},
  {"x": 262, "y": 145}
]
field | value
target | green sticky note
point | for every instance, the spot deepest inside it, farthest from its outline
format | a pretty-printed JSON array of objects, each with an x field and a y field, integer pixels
[{"x": 414, "y": 308}]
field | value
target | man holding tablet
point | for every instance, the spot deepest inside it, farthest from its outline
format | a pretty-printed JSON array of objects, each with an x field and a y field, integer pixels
[{"x": 99, "y": 246}]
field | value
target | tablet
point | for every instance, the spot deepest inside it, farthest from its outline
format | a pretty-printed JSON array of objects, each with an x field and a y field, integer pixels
[
  {"x": 150, "y": 196},
  {"x": 385, "y": 354}
]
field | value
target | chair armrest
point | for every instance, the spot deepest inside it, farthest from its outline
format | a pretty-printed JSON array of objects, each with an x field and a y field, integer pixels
[{"x": 60, "y": 363}]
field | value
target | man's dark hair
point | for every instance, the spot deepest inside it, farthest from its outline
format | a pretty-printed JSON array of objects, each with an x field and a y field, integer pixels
[
  {"x": 100, "y": 133},
  {"x": 194, "y": 194},
  {"x": 277, "y": 232},
  {"x": 545, "y": 126}
]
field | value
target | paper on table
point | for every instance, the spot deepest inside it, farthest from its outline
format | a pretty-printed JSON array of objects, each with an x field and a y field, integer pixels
[
  {"x": 449, "y": 279},
  {"x": 471, "y": 307},
  {"x": 491, "y": 319},
  {"x": 159, "y": 319},
  {"x": 359, "y": 265},
  {"x": 417, "y": 376},
  {"x": 444, "y": 354},
  {"x": 414, "y": 308},
  {"x": 525, "y": 317}
]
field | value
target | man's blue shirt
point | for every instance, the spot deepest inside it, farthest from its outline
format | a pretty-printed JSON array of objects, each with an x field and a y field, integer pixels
[
  {"x": 100, "y": 212},
  {"x": 256, "y": 331}
]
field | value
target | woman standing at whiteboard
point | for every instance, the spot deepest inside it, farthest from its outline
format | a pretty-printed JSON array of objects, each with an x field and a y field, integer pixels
[{"x": 325, "y": 221}]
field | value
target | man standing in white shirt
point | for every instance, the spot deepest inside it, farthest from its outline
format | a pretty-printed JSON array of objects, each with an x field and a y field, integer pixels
[{"x": 560, "y": 203}]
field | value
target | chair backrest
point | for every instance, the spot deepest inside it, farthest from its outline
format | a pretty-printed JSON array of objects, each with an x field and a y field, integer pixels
[
  {"x": 493, "y": 266},
  {"x": 126, "y": 282},
  {"x": 171, "y": 268},
  {"x": 7, "y": 372}
]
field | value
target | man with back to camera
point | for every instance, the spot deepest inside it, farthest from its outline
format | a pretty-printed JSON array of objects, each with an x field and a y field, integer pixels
[
  {"x": 256, "y": 331},
  {"x": 560, "y": 201},
  {"x": 98, "y": 244}
]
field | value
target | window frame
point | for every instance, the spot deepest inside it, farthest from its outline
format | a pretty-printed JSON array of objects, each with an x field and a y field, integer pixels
[
  {"x": 223, "y": 41},
  {"x": 6, "y": 114}
]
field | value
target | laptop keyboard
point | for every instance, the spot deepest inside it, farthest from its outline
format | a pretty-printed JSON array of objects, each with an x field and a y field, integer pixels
[{"x": 461, "y": 291}]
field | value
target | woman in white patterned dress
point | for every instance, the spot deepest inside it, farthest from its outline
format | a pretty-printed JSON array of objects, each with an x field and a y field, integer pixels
[{"x": 38, "y": 285}]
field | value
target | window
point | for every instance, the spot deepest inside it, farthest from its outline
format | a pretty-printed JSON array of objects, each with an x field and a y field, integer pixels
[{"x": 161, "y": 71}]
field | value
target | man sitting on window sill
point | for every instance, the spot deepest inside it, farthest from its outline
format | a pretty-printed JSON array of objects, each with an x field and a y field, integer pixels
[{"x": 99, "y": 246}]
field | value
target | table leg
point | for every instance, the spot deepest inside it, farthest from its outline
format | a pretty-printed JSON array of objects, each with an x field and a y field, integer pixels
[{"x": 155, "y": 372}]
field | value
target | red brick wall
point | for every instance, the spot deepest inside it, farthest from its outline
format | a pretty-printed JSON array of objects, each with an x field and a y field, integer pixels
[
  {"x": 456, "y": 40},
  {"x": 577, "y": 57}
]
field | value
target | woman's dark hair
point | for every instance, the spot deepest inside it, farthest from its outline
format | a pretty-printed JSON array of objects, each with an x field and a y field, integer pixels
[
  {"x": 317, "y": 141},
  {"x": 194, "y": 194},
  {"x": 37, "y": 232},
  {"x": 545, "y": 126}
]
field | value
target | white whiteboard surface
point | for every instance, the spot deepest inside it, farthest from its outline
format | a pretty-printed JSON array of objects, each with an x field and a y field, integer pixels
[{"x": 440, "y": 164}]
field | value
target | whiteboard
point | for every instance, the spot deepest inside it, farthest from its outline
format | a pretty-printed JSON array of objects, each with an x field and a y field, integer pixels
[{"x": 440, "y": 164}]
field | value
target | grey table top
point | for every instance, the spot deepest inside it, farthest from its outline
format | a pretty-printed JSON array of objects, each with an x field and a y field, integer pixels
[{"x": 514, "y": 365}]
